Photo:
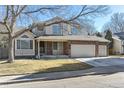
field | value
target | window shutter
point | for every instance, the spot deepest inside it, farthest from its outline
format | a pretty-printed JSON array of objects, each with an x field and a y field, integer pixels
[
  {"x": 18, "y": 44},
  {"x": 31, "y": 44}
]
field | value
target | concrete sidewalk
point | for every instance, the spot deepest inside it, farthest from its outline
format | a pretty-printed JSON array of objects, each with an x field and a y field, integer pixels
[{"x": 60, "y": 75}]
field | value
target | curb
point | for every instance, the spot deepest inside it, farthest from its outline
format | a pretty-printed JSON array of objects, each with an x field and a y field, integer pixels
[{"x": 71, "y": 74}]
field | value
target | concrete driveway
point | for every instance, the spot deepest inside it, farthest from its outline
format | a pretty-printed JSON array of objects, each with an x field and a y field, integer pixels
[{"x": 103, "y": 61}]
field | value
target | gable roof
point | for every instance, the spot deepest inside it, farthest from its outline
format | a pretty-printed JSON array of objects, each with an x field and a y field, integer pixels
[
  {"x": 57, "y": 18},
  {"x": 120, "y": 35},
  {"x": 73, "y": 37}
]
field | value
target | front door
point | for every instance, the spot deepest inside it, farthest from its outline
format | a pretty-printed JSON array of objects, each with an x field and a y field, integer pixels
[{"x": 57, "y": 48}]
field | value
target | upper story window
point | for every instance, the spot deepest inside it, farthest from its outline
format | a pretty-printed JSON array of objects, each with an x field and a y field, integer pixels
[
  {"x": 74, "y": 31},
  {"x": 65, "y": 27},
  {"x": 56, "y": 29}
]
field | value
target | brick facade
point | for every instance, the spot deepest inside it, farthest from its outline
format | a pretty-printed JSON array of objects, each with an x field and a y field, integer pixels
[
  {"x": 49, "y": 48},
  {"x": 67, "y": 46}
]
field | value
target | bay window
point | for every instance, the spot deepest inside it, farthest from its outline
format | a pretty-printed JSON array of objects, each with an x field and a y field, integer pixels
[{"x": 24, "y": 44}]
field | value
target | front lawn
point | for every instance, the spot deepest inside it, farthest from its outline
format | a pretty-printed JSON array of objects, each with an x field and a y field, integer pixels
[{"x": 41, "y": 66}]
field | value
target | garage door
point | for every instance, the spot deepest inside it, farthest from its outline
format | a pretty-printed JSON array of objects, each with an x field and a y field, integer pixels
[
  {"x": 79, "y": 50},
  {"x": 102, "y": 50}
]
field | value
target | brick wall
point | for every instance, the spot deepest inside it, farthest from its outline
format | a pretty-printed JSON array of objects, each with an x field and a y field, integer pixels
[
  {"x": 65, "y": 48},
  {"x": 49, "y": 48}
]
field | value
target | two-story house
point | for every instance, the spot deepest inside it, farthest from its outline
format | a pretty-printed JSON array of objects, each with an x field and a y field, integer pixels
[
  {"x": 59, "y": 40},
  {"x": 118, "y": 43}
]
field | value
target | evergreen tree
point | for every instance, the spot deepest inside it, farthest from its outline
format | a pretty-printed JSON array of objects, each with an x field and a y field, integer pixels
[
  {"x": 108, "y": 36},
  {"x": 98, "y": 34}
]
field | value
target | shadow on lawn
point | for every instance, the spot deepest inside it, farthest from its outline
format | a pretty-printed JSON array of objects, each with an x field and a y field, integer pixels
[
  {"x": 61, "y": 69},
  {"x": 75, "y": 66}
]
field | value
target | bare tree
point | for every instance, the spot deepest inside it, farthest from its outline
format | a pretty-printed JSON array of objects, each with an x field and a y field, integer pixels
[
  {"x": 10, "y": 16},
  {"x": 87, "y": 26},
  {"x": 116, "y": 24}
]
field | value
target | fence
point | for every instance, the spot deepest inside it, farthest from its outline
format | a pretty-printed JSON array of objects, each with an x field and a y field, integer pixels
[{"x": 3, "y": 53}]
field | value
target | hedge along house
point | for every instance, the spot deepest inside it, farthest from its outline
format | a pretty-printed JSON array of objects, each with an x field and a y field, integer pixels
[{"x": 59, "y": 40}]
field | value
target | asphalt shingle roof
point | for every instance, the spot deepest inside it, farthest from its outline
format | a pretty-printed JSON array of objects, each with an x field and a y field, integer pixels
[
  {"x": 73, "y": 37},
  {"x": 120, "y": 35}
]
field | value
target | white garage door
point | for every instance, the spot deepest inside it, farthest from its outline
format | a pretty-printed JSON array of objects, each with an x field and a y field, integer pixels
[
  {"x": 102, "y": 50},
  {"x": 79, "y": 50}
]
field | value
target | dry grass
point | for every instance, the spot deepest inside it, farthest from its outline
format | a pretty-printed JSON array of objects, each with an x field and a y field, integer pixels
[{"x": 41, "y": 66}]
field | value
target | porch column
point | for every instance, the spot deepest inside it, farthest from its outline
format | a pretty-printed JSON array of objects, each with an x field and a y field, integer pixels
[{"x": 38, "y": 49}]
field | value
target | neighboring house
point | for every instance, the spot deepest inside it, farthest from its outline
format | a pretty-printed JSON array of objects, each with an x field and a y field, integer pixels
[
  {"x": 118, "y": 43},
  {"x": 3, "y": 43},
  {"x": 59, "y": 40}
]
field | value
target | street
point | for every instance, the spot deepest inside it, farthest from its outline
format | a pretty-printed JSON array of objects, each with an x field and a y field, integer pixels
[{"x": 115, "y": 80}]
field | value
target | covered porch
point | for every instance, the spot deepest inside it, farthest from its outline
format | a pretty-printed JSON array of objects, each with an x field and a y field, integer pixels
[{"x": 52, "y": 49}]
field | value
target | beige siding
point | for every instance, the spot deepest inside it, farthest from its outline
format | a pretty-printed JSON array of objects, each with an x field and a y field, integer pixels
[
  {"x": 25, "y": 52},
  {"x": 49, "y": 30},
  {"x": 2, "y": 36},
  {"x": 117, "y": 46},
  {"x": 64, "y": 32},
  {"x": 66, "y": 29},
  {"x": 102, "y": 50}
]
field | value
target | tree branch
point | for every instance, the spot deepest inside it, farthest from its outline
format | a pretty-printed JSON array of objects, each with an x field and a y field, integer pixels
[
  {"x": 20, "y": 11},
  {"x": 2, "y": 23},
  {"x": 40, "y": 9},
  {"x": 4, "y": 33},
  {"x": 84, "y": 11},
  {"x": 7, "y": 14},
  {"x": 18, "y": 33}
]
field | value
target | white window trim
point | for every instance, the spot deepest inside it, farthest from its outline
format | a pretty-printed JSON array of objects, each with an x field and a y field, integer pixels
[
  {"x": 24, "y": 39},
  {"x": 60, "y": 29},
  {"x": 58, "y": 45}
]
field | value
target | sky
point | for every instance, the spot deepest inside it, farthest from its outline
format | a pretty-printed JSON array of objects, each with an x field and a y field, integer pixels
[{"x": 100, "y": 21}]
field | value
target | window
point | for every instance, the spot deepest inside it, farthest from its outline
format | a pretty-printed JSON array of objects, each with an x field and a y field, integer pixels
[
  {"x": 56, "y": 29},
  {"x": 31, "y": 44},
  {"x": 55, "y": 47},
  {"x": 60, "y": 46},
  {"x": 24, "y": 44},
  {"x": 74, "y": 31},
  {"x": 18, "y": 44},
  {"x": 65, "y": 27}
]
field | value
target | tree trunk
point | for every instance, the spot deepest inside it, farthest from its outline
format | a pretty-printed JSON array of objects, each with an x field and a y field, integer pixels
[{"x": 11, "y": 50}]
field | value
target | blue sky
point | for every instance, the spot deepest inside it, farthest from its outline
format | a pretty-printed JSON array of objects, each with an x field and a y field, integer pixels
[{"x": 100, "y": 21}]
